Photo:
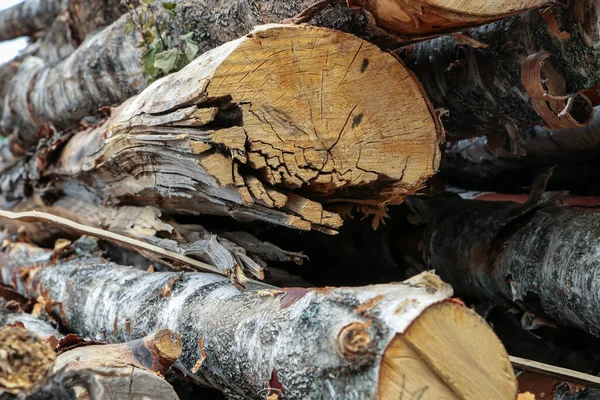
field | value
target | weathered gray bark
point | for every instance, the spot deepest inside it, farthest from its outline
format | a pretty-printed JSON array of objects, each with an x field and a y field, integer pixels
[
  {"x": 107, "y": 68},
  {"x": 29, "y": 17},
  {"x": 539, "y": 257},
  {"x": 481, "y": 87},
  {"x": 41, "y": 328},
  {"x": 308, "y": 338}
]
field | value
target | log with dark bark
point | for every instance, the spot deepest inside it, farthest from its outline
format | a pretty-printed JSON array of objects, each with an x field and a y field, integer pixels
[
  {"x": 482, "y": 87},
  {"x": 536, "y": 256},
  {"x": 487, "y": 163},
  {"x": 422, "y": 18},
  {"x": 107, "y": 68},
  {"x": 349, "y": 343},
  {"x": 231, "y": 135}
]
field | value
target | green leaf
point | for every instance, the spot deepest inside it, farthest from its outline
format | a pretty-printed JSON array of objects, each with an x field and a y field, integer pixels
[
  {"x": 166, "y": 60},
  {"x": 129, "y": 26},
  {"x": 191, "y": 49},
  {"x": 148, "y": 61},
  {"x": 187, "y": 36},
  {"x": 169, "y": 6}
]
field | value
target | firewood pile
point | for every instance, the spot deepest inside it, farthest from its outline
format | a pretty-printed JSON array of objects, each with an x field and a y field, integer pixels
[{"x": 272, "y": 199}]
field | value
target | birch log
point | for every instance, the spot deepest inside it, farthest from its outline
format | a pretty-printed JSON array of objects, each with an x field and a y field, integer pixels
[
  {"x": 482, "y": 87},
  {"x": 539, "y": 257},
  {"x": 246, "y": 131},
  {"x": 29, "y": 17},
  {"x": 330, "y": 343}
]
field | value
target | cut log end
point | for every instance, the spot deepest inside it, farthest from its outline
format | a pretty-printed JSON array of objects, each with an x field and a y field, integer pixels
[
  {"x": 328, "y": 111},
  {"x": 422, "y": 18},
  {"x": 24, "y": 359},
  {"x": 466, "y": 361},
  {"x": 166, "y": 344}
]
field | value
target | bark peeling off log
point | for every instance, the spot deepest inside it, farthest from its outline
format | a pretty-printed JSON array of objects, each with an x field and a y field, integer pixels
[
  {"x": 481, "y": 87},
  {"x": 245, "y": 123},
  {"x": 512, "y": 253},
  {"x": 339, "y": 335},
  {"x": 422, "y": 18}
]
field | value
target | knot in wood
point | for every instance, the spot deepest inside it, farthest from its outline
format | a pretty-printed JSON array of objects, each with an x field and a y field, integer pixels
[{"x": 356, "y": 343}]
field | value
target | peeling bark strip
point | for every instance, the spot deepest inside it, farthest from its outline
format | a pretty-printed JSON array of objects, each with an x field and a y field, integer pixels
[
  {"x": 283, "y": 108},
  {"x": 422, "y": 18},
  {"x": 29, "y": 17},
  {"x": 515, "y": 254},
  {"x": 332, "y": 343},
  {"x": 481, "y": 87}
]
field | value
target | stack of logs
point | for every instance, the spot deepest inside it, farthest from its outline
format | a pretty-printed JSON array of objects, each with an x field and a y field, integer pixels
[{"x": 176, "y": 227}]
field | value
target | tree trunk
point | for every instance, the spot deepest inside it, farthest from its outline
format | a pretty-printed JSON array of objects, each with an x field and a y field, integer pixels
[
  {"x": 482, "y": 87},
  {"x": 423, "y": 18},
  {"x": 229, "y": 135},
  {"x": 539, "y": 257},
  {"x": 107, "y": 69},
  {"x": 350, "y": 343},
  {"x": 487, "y": 163}
]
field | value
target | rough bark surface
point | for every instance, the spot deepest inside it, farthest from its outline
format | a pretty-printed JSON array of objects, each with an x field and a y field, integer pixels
[
  {"x": 482, "y": 88},
  {"x": 539, "y": 257},
  {"x": 29, "y": 17},
  {"x": 230, "y": 135},
  {"x": 106, "y": 69},
  {"x": 314, "y": 343},
  {"x": 485, "y": 162},
  {"x": 422, "y": 18}
]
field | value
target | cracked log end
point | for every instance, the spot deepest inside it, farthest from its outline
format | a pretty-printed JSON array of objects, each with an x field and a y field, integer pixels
[
  {"x": 449, "y": 352},
  {"x": 324, "y": 110},
  {"x": 285, "y": 108},
  {"x": 24, "y": 359},
  {"x": 414, "y": 19}
]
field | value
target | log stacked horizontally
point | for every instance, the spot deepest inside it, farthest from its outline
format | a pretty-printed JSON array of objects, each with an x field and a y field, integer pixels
[
  {"x": 379, "y": 341},
  {"x": 174, "y": 173}
]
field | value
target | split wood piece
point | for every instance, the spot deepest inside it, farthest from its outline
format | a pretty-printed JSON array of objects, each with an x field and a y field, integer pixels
[
  {"x": 487, "y": 161},
  {"x": 244, "y": 124},
  {"x": 536, "y": 256},
  {"x": 482, "y": 87},
  {"x": 107, "y": 69},
  {"x": 354, "y": 341},
  {"x": 234, "y": 254},
  {"x": 423, "y": 18}
]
